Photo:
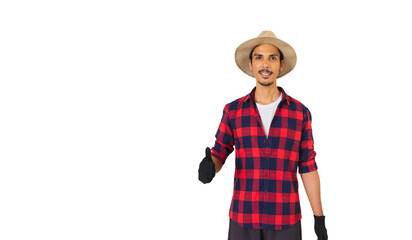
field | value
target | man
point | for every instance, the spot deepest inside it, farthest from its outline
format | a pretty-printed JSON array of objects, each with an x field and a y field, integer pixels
[{"x": 272, "y": 133}]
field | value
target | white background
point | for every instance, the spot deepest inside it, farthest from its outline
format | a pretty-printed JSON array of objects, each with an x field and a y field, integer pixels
[{"x": 106, "y": 108}]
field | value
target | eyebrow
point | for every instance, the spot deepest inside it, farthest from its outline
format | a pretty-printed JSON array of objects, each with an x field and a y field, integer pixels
[{"x": 258, "y": 54}]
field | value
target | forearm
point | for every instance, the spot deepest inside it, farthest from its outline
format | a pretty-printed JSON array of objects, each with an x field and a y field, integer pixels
[
  {"x": 311, "y": 183},
  {"x": 218, "y": 164}
]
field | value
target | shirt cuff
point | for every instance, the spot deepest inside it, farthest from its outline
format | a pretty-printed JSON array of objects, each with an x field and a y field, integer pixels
[
  {"x": 308, "y": 167},
  {"x": 218, "y": 156}
]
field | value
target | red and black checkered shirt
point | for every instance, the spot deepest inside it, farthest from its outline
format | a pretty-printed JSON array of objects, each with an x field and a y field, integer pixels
[{"x": 265, "y": 191}]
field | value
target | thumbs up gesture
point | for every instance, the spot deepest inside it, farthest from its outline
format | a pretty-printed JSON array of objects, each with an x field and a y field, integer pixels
[{"x": 207, "y": 168}]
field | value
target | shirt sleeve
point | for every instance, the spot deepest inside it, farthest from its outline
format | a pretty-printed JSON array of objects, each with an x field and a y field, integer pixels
[
  {"x": 224, "y": 138},
  {"x": 307, "y": 153}
]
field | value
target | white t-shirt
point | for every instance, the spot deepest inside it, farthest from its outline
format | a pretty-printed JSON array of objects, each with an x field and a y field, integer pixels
[{"x": 267, "y": 112}]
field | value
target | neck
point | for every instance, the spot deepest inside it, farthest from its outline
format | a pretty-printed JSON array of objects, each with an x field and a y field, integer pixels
[{"x": 266, "y": 94}]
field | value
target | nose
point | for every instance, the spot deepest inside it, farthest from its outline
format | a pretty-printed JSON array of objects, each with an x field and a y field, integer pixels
[{"x": 265, "y": 63}]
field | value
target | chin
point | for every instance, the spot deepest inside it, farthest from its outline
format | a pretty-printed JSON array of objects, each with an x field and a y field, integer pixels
[
  {"x": 269, "y": 80},
  {"x": 266, "y": 83}
]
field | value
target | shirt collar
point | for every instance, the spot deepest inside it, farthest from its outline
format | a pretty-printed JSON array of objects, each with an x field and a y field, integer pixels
[{"x": 251, "y": 95}]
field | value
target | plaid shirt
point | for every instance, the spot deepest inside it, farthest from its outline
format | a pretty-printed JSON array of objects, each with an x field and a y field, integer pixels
[{"x": 265, "y": 191}]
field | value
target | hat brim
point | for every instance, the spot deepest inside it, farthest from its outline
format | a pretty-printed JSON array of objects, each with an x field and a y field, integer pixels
[{"x": 243, "y": 51}]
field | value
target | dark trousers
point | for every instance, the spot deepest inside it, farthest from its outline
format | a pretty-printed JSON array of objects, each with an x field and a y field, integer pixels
[{"x": 237, "y": 232}]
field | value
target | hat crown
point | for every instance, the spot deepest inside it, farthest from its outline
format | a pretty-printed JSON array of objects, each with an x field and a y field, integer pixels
[{"x": 267, "y": 34}]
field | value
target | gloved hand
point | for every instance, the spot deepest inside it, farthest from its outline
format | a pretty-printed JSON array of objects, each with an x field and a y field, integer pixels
[
  {"x": 207, "y": 168},
  {"x": 320, "y": 228}
]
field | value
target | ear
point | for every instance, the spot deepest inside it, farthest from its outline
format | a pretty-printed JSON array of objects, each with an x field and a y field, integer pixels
[
  {"x": 250, "y": 65},
  {"x": 282, "y": 65}
]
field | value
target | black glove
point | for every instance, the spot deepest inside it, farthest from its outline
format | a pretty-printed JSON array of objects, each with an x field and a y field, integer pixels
[
  {"x": 207, "y": 168},
  {"x": 320, "y": 228}
]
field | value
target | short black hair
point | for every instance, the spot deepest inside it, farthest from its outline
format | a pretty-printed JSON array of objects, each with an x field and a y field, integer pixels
[{"x": 280, "y": 52}]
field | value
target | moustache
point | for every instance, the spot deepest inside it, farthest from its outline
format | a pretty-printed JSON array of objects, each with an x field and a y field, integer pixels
[{"x": 265, "y": 71}]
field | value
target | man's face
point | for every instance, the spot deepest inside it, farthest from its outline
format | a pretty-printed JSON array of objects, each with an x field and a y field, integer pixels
[{"x": 266, "y": 64}]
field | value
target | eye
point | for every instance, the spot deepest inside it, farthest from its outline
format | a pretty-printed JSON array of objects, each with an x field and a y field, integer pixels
[
  {"x": 257, "y": 57},
  {"x": 273, "y": 58}
]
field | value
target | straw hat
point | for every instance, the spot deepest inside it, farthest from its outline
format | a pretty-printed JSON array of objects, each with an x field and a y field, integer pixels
[{"x": 243, "y": 51}]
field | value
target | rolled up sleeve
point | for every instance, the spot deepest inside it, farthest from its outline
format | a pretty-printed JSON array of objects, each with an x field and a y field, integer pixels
[
  {"x": 307, "y": 153},
  {"x": 224, "y": 138}
]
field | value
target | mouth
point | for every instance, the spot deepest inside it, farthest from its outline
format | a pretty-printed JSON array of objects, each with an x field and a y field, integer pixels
[{"x": 265, "y": 73}]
